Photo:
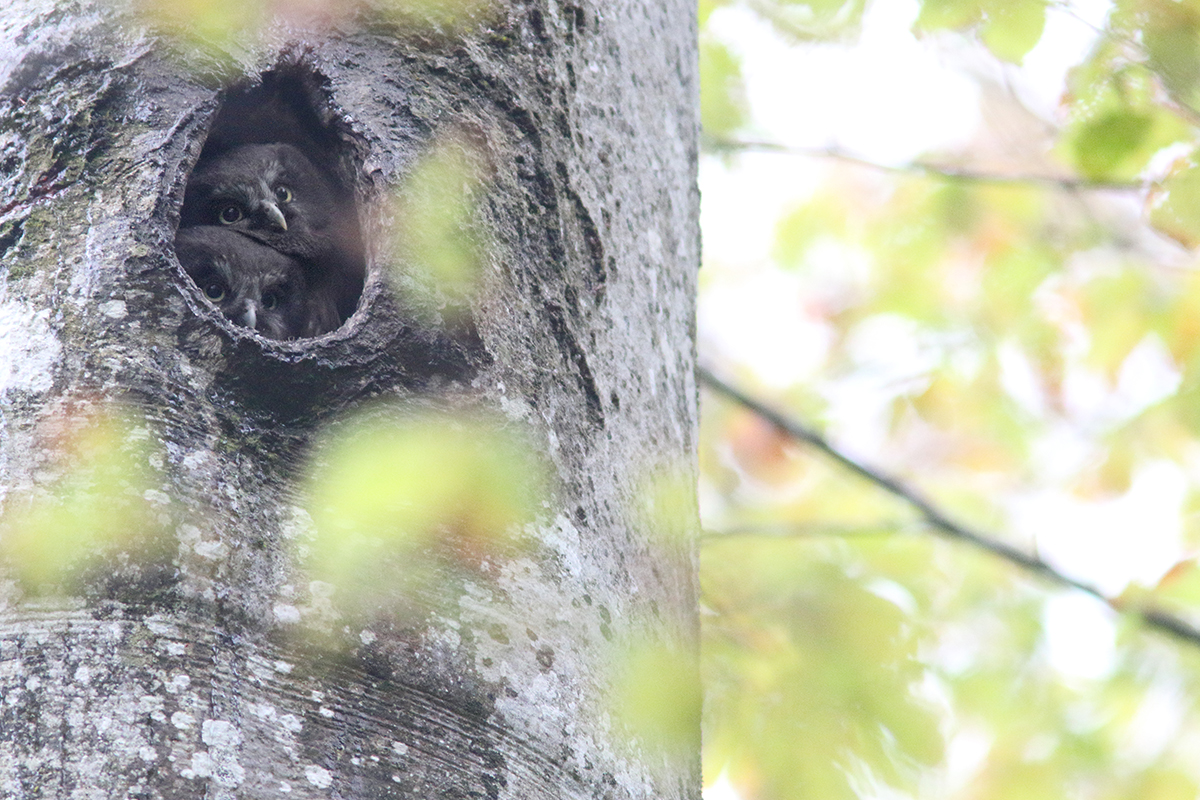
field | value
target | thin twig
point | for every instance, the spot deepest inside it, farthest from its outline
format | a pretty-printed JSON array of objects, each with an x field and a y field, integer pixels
[
  {"x": 791, "y": 530},
  {"x": 1065, "y": 182},
  {"x": 939, "y": 520}
]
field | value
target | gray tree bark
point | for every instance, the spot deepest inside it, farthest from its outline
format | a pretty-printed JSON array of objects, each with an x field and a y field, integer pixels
[{"x": 174, "y": 669}]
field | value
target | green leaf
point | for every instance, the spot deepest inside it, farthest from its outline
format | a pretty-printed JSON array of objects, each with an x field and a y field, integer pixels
[
  {"x": 827, "y": 215},
  {"x": 1013, "y": 27},
  {"x": 1164, "y": 783},
  {"x": 808, "y": 670},
  {"x": 1009, "y": 28},
  {"x": 1011, "y": 278},
  {"x": 1116, "y": 308},
  {"x": 948, "y": 15},
  {"x": 812, "y": 20},
  {"x": 401, "y": 503},
  {"x": 1171, "y": 38},
  {"x": 706, "y": 8},
  {"x": 723, "y": 106},
  {"x": 95, "y": 506},
  {"x": 1103, "y": 146},
  {"x": 439, "y": 238},
  {"x": 657, "y": 697},
  {"x": 1117, "y": 118},
  {"x": 1175, "y": 204}
]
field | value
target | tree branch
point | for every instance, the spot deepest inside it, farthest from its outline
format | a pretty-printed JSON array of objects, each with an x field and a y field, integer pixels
[
  {"x": 939, "y": 521},
  {"x": 793, "y": 530},
  {"x": 1064, "y": 182}
]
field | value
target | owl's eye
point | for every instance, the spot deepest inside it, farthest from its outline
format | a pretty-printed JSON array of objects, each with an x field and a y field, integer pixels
[
  {"x": 229, "y": 214},
  {"x": 214, "y": 292},
  {"x": 283, "y": 194},
  {"x": 272, "y": 300}
]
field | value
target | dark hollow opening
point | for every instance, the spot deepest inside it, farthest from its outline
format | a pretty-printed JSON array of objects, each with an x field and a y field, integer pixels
[{"x": 269, "y": 228}]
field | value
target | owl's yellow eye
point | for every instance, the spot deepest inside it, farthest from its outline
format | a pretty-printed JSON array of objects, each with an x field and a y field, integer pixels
[
  {"x": 283, "y": 194},
  {"x": 229, "y": 214},
  {"x": 214, "y": 292}
]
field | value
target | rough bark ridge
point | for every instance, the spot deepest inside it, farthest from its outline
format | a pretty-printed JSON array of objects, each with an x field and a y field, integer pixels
[{"x": 171, "y": 676}]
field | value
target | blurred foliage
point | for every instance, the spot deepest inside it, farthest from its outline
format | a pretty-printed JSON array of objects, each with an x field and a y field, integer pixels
[
  {"x": 231, "y": 26},
  {"x": 668, "y": 506},
  {"x": 1008, "y": 28},
  {"x": 657, "y": 697},
  {"x": 1116, "y": 118},
  {"x": 811, "y": 20},
  {"x": 96, "y": 498},
  {"x": 1175, "y": 205},
  {"x": 810, "y": 675},
  {"x": 436, "y": 235},
  {"x": 722, "y": 94},
  {"x": 1025, "y": 352},
  {"x": 404, "y": 503}
]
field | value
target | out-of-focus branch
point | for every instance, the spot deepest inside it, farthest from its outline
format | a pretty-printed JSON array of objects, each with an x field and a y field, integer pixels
[
  {"x": 938, "y": 520},
  {"x": 792, "y": 530},
  {"x": 1065, "y": 182}
]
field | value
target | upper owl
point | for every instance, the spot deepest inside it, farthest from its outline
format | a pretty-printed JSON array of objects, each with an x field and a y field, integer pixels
[
  {"x": 254, "y": 285},
  {"x": 273, "y": 193}
]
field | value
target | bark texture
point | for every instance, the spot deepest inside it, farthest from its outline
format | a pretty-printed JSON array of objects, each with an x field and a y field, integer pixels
[{"x": 173, "y": 671}]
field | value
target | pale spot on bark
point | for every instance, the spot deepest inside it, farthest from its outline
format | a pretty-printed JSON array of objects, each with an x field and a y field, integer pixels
[
  {"x": 318, "y": 776},
  {"x": 114, "y": 309}
]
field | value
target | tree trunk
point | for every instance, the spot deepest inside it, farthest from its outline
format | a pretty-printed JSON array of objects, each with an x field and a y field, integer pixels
[{"x": 189, "y": 651}]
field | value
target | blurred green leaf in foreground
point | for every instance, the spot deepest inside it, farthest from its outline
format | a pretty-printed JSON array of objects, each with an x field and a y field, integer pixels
[
  {"x": 208, "y": 29},
  {"x": 403, "y": 503},
  {"x": 439, "y": 247},
  {"x": 97, "y": 498}
]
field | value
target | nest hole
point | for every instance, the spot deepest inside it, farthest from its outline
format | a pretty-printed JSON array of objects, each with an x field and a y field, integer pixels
[{"x": 269, "y": 227}]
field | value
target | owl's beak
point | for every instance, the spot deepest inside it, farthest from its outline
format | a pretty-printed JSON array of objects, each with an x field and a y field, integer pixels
[
  {"x": 274, "y": 216},
  {"x": 249, "y": 317}
]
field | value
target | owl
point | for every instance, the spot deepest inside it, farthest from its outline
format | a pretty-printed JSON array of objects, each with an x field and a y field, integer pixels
[
  {"x": 274, "y": 194},
  {"x": 253, "y": 285}
]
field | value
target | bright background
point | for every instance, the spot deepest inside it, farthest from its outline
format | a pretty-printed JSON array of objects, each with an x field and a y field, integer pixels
[{"x": 955, "y": 237}]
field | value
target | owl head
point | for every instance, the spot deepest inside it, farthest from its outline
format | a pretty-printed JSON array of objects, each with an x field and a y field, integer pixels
[
  {"x": 253, "y": 285},
  {"x": 270, "y": 192}
]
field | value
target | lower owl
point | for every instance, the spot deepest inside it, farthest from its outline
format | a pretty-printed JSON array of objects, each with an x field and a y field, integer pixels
[{"x": 254, "y": 285}]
